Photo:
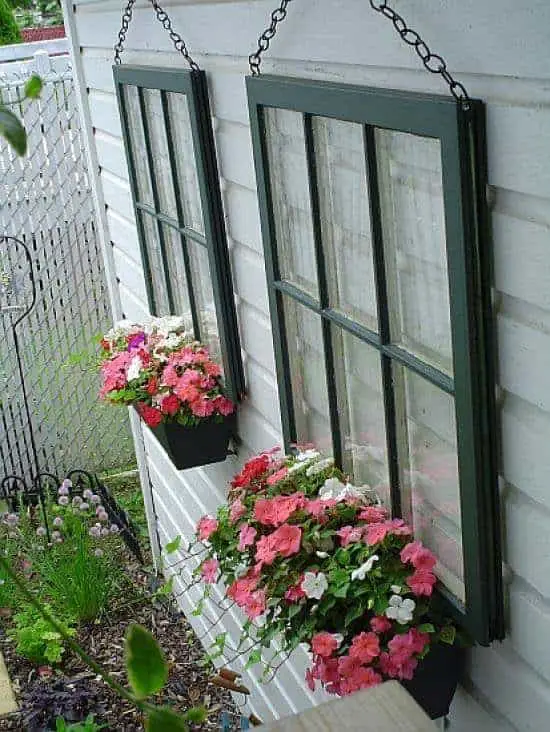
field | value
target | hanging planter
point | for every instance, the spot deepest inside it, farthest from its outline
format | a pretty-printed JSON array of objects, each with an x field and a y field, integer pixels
[
  {"x": 436, "y": 679},
  {"x": 201, "y": 444},
  {"x": 174, "y": 386}
]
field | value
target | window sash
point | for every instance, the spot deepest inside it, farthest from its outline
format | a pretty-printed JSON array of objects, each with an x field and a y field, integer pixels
[
  {"x": 461, "y": 136},
  {"x": 193, "y": 86}
]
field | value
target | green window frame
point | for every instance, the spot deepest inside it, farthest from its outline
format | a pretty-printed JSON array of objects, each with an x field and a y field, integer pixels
[
  {"x": 171, "y": 155},
  {"x": 468, "y": 384}
]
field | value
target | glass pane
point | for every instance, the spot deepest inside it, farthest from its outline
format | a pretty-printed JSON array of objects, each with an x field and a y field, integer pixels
[
  {"x": 176, "y": 273},
  {"x": 160, "y": 153},
  {"x": 137, "y": 144},
  {"x": 361, "y": 409},
  {"x": 204, "y": 298},
  {"x": 345, "y": 218},
  {"x": 413, "y": 222},
  {"x": 290, "y": 195},
  {"x": 186, "y": 165},
  {"x": 158, "y": 279},
  {"x": 308, "y": 376},
  {"x": 429, "y": 467}
]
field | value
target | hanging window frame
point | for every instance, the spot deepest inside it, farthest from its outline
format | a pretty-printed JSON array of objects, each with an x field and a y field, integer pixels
[
  {"x": 461, "y": 133},
  {"x": 192, "y": 85}
]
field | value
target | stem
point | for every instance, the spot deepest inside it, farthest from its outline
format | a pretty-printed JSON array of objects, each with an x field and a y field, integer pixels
[{"x": 73, "y": 645}]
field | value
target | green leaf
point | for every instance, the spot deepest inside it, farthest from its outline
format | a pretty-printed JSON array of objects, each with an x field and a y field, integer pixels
[
  {"x": 341, "y": 591},
  {"x": 426, "y": 628},
  {"x": 448, "y": 634},
  {"x": 13, "y": 131},
  {"x": 173, "y": 545},
  {"x": 147, "y": 670},
  {"x": 197, "y": 715},
  {"x": 33, "y": 87},
  {"x": 165, "y": 720},
  {"x": 166, "y": 588},
  {"x": 353, "y": 613},
  {"x": 254, "y": 658}
]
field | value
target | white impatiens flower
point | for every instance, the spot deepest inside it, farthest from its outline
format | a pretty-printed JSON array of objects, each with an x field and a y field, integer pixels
[
  {"x": 322, "y": 555},
  {"x": 396, "y": 589},
  {"x": 338, "y": 637},
  {"x": 168, "y": 324},
  {"x": 134, "y": 369},
  {"x": 314, "y": 584},
  {"x": 319, "y": 466},
  {"x": 332, "y": 488},
  {"x": 400, "y": 609},
  {"x": 303, "y": 459},
  {"x": 361, "y": 572}
]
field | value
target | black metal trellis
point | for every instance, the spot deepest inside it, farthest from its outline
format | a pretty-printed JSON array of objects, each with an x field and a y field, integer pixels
[
  {"x": 433, "y": 62},
  {"x": 18, "y": 298}
]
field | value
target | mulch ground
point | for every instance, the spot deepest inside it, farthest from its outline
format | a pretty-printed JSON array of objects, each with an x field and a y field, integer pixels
[{"x": 74, "y": 692}]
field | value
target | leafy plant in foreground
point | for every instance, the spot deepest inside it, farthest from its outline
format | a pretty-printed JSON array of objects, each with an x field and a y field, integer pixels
[
  {"x": 35, "y": 637},
  {"x": 88, "y": 725}
]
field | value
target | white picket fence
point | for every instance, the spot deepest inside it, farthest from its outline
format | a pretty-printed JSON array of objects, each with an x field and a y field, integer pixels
[{"x": 46, "y": 200}]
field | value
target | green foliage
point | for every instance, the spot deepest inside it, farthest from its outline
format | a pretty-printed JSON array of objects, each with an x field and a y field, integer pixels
[
  {"x": 12, "y": 130},
  {"x": 33, "y": 87},
  {"x": 165, "y": 720},
  {"x": 36, "y": 639},
  {"x": 88, "y": 725},
  {"x": 173, "y": 545},
  {"x": 73, "y": 577},
  {"x": 9, "y": 32},
  {"x": 145, "y": 664}
]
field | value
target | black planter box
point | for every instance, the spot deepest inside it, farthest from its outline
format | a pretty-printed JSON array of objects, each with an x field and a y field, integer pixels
[
  {"x": 436, "y": 678},
  {"x": 189, "y": 447}
]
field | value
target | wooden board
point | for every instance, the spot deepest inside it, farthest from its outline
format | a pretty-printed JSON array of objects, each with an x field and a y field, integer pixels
[{"x": 384, "y": 708}]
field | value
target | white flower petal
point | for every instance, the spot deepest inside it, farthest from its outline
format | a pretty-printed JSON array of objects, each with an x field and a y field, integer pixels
[
  {"x": 396, "y": 589},
  {"x": 395, "y": 601}
]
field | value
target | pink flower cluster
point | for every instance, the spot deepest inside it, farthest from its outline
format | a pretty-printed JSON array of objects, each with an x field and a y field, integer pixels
[
  {"x": 365, "y": 664},
  {"x": 422, "y": 580},
  {"x": 163, "y": 378}
]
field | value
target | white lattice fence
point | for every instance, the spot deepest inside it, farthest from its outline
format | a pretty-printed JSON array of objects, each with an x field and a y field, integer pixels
[{"x": 45, "y": 200}]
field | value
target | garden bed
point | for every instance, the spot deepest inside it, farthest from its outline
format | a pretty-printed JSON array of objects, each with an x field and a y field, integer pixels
[{"x": 68, "y": 689}]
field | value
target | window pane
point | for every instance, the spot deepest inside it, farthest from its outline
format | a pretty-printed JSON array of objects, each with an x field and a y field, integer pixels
[
  {"x": 413, "y": 222},
  {"x": 158, "y": 280},
  {"x": 290, "y": 195},
  {"x": 176, "y": 273},
  {"x": 182, "y": 138},
  {"x": 204, "y": 298},
  {"x": 137, "y": 144},
  {"x": 345, "y": 218},
  {"x": 308, "y": 377},
  {"x": 429, "y": 468},
  {"x": 361, "y": 409},
  {"x": 160, "y": 153}
]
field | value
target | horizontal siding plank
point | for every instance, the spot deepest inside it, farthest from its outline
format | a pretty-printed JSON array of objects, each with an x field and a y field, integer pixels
[
  {"x": 527, "y": 548},
  {"x": 104, "y": 112},
  {"x": 110, "y": 154},
  {"x": 130, "y": 273},
  {"x": 132, "y": 307},
  {"x": 124, "y": 234},
  {"x": 116, "y": 194},
  {"x": 243, "y": 216}
]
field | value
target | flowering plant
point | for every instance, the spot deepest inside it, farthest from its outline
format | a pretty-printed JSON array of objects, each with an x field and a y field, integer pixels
[
  {"x": 311, "y": 558},
  {"x": 166, "y": 375}
]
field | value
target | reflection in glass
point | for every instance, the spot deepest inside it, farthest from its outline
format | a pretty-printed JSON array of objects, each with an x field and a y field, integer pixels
[
  {"x": 177, "y": 275},
  {"x": 158, "y": 279},
  {"x": 361, "y": 409},
  {"x": 182, "y": 139},
  {"x": 137, "y": 144},
  {"x": 290, "y": 195},
  {"x": 204, "y": 298},
  {"x": 413, "y": 224},
  {"x": 345, "y": 218},
  {"x": 429, "y": 471},
  {"x": 159, "y": 152},
  {"x": 308, "y": 378}
]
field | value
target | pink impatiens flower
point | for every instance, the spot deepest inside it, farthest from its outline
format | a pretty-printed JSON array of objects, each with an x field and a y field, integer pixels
[
  {"x": 324, "y": 644},
  {"x": 375, "y": 533},
  {"x": 206, "y": 527},
  {"x": 284, "y": 541},
  {"x": 237, "y": 510},
  {"x": 380, "y": 624},
  {"x": 209, "y": 570},
  {"x": 373, "y": 514},
  {"x": 365, "y": 647},
  {"x": 247, "y": 534},
  {"x": 255, "y": 604},
  {"x": 420, "y": 557},
  {"x": 422, "y": 582},
  {"x": 350, "y": 534},
  {"x": 278, "y": 476}
]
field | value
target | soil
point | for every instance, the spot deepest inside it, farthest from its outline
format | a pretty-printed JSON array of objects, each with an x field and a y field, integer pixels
[{"x": 74, "y": 692}]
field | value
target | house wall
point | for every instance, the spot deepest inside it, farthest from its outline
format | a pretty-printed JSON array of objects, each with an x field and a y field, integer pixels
[{"x": 499, "y": 50}]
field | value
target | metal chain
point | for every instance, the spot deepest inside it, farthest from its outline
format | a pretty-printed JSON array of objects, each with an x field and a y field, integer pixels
[
  {"x": 164, "y": 19},
  {"x": 278, "y": 15},
  {"x": 433, "y": 62}
]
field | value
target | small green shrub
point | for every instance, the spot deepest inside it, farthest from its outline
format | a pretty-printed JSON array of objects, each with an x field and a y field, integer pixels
[
  {"x": 9, "y": 32},
  {"x": 36, "y": 639},
  {"x": 88, "y": 725}
]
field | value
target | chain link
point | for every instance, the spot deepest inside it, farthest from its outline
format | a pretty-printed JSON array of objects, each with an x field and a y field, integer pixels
[
  {"x": 164, "y": 19},
  {"x": 278, "y": 15},
  {"x": 433, "y": 62}
]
